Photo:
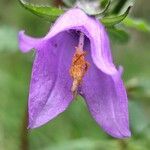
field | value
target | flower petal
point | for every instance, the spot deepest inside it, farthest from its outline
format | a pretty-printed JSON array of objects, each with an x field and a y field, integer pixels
[
  {"x": 26, "y": 43},
  {"x": 95, "y": 31},
  {"x": 50, "y": 92},
  {"x": 107, "y": 100},
  {"x": 92, "y": 28}
]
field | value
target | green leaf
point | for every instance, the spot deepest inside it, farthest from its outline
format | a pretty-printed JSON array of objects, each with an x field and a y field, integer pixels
[
  {"x": 47, "y": 12},
  {"x": 118, "y": 35},
  {"x": 138, "y": 24},
  {"x": 103, "y": 3},
  {"x": 111, "y": 21}
]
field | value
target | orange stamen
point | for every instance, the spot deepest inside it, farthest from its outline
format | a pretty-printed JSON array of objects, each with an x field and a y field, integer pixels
[{"x": 78, "y": 69}]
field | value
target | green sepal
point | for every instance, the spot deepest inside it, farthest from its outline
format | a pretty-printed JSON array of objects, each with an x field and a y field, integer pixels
[
  {"x": 97, "y": 14},
  {"x": 104, "y": 10},
  {"x": 118, "y": 35},
  {"x": 111, "y": 21},
  {"x": 47, "y": 12}
]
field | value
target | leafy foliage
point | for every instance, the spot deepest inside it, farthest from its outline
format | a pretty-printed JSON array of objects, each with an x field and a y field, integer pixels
[
  {"x": 47, "y": 12},
  {"x": 118, "y": 35},
  {"x": 111, "y": 21},
  {"x": 137, "y": 24}
]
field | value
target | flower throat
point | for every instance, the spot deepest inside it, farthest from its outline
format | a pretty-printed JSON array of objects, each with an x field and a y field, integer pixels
[{"x": 79, "y": 65}]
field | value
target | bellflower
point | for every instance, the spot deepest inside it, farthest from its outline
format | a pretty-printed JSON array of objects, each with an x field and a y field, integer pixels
[{"x": 75, "y": 58}]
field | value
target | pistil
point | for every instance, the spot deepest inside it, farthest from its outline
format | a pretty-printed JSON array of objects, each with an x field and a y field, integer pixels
[{"x": 79, "y": 65}]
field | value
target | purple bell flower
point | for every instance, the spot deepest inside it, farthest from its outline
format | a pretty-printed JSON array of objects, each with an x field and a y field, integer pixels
[{"x": 75, "y": 58}]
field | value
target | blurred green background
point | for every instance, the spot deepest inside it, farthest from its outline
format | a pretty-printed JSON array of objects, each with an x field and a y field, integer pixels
[{"x": 74, "y": 129}]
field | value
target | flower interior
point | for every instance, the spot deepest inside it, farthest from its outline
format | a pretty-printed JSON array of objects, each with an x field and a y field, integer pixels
[{"x": 79, "y": 65}]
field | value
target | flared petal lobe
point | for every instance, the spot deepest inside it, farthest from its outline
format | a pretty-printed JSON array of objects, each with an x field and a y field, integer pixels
[
  {"x": 26, "y": 43},
  {"x": 107, "y": 101},
  {"x": 50, "y": 85}
]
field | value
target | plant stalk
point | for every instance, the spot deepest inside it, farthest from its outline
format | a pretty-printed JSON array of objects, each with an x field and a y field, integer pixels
[{"x": 24, "y": 133}]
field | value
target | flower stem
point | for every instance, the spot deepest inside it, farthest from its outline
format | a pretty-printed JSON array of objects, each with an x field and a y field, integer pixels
[
  {"x": 24, "y": 133},
  {"x": 57, "y": 3},
  {"x": 123, "y": 144}
]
